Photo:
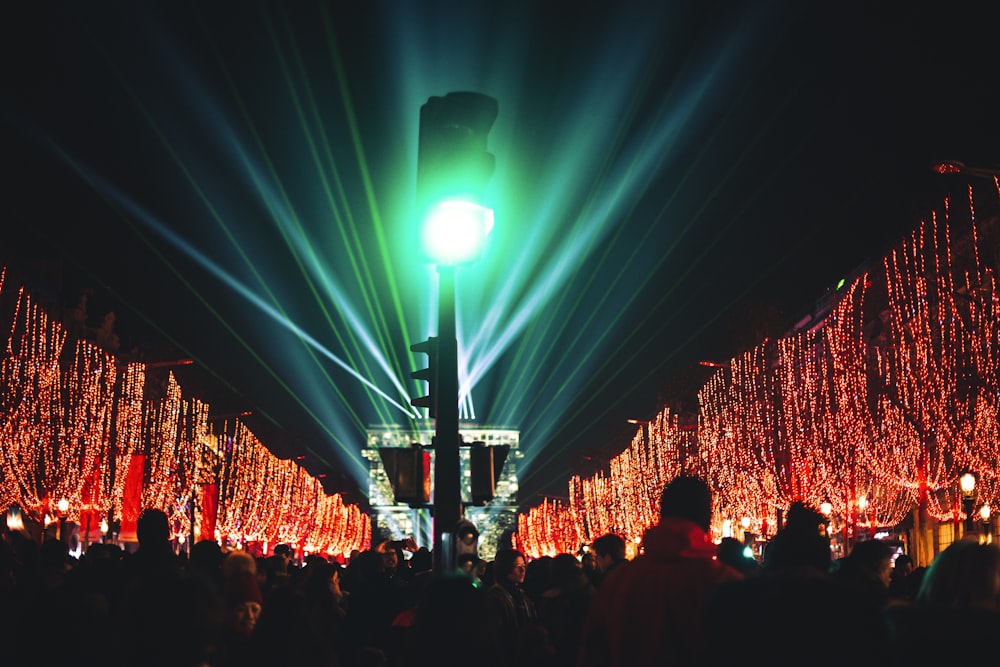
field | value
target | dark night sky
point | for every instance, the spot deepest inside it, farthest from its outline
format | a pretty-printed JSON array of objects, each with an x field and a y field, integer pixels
[{"x": 694, "y": 164}]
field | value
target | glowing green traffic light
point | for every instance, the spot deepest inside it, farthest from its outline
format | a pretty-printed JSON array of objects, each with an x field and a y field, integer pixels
[{"x": 454, "y": 231}]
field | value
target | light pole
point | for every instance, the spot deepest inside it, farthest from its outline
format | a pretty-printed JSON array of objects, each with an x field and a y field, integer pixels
[
  {"x": 747, "y": 535},
  {"x": 967, "y": 483},
  {"x": 453, "y": 168},
  {"x": 984, "y": 516}
]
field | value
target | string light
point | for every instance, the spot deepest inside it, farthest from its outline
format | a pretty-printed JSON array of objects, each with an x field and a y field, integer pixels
[
  {"x": 69, "y": 431},
  {"x": 870, "y": 424}
]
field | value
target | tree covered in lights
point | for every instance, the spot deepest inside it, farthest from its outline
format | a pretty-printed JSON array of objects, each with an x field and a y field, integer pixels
[
  {"x": 875, "y": 412},
  {"x": 76, "y": 425}
]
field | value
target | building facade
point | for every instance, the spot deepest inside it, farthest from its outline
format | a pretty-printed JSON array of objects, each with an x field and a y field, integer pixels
[{"x": 394, "y": 520}]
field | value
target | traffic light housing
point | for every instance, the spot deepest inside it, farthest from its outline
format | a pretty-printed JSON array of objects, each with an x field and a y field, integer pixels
[
  {"x": 466, "y": 538},
  {"x": 453, "y": 170},
  {"x": 409, "y": 473},
  {"x": 485, "y": 466},
  {"x": 429, "y": 375}
]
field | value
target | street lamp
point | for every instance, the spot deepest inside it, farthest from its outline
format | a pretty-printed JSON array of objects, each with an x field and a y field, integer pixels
[
  {"x": 984, "y": 516},
  {"x": 967, "y": 483},
  {"x": 14, "y": 519},
  {"x": 63, "y": 507},
  {"x": 453, "y": 169}
]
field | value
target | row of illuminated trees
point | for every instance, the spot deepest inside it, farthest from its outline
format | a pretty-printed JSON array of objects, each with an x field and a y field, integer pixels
[
  {"x": 83, "y": 439},
  {"x": 871, "y": 414}
]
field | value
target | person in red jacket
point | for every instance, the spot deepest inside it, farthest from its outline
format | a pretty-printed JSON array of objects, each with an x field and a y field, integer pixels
[{"x": 650, "y": 611}]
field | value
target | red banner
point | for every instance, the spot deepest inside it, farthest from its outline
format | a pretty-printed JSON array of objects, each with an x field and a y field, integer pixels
[
  {"x": 90, "y": 518},
  {"x": 209, "y": 511},
  {"x": 132, "y": 498}
]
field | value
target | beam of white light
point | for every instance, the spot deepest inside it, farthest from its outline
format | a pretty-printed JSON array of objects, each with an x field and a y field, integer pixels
[
  {"x": 618, "y": 191},
  {"x": 273, "y": 197},
  {"x": 164, "y": 232}
]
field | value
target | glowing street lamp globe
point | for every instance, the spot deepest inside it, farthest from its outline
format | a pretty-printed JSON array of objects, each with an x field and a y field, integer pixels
[
  {"x": 454, "y": 232},
  {"x": 967, "y": 483}
]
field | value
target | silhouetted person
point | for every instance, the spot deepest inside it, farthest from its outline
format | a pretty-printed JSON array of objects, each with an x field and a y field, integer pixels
[
  {"x": 275, "y": 570},
  {"x": 563, "y": 607},
  {"x": 449, "y": 627},
  {"x": 536, "y": 577},
  {"x": 512, "y": 612},
  {"x": 206, "y": 559},
  {"x": 903, "y": 587},
  {"x": 797, "y": 601},
  {"x": 868, "y": 568},
  {"x": 244, "y": 606},
  {"x": 287, "y": 633},
  {"x": 802, "y": 546},
  {"x": 374, "y": 603},
  {"x": 958, "y": 598},
  {"x": 155, "y": 552},
  {"x": 609, "y": 553},
  {"x": 650, "y": 611}
]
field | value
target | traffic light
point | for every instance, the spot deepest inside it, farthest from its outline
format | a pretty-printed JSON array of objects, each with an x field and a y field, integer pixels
[
  {"x": 466, "y": 538},
  {"x": 485, "y": 466},
  {"x": 429, "y": 375},
  {"x": 409, "y": 473},
  {"x": 453, "y": 170}
]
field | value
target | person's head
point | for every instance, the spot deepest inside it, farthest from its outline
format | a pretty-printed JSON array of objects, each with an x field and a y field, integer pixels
[
  {"x": 608, "y": 550},
  {"x": 801, "y": 544},
  {"x": 423, "y": 561},
  {"x": 390, "y": 555},
  {"x": 238, "y": 561},
  {"x": 903, "y": 566},
  {"x": 687, "y": 497},
  {"x": 391, "y": 559},
  {"x": 320, "y": 579},
  {"x": 873, "y": 559},
  {"x": 567, "y": 572},
  {"x": 284, "y": 551},
  {"x": 207, "y": 556},
  {"x": 243, "y": 601},
  {"x": 509, "y": 565},
  {"x": 966, "y": 575},
  {"x": 152, "y": 527}
]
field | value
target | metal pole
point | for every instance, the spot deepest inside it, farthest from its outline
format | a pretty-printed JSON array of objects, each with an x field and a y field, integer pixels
[
  {"x": 191, "y": 508},
  {"x": 117, "y": 389},
  {"x": 969, "y": 506},
  {"x": 447, "y": 479}
]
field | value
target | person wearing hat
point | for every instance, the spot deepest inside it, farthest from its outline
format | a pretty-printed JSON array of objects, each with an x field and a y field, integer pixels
[{"x": 243, "y": 602}]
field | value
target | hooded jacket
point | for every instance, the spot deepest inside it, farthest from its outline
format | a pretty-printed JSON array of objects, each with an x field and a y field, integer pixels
[{"x": 650, "y": 611}]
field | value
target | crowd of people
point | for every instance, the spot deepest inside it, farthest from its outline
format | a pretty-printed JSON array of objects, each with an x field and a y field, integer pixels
[{"x": 684, "y": 600}]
